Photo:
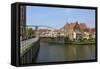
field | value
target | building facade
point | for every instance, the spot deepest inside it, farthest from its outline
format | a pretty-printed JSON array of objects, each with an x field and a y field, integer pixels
[
  {"x": 22, "y": 22},
  {"x": 72, "y": 31}
]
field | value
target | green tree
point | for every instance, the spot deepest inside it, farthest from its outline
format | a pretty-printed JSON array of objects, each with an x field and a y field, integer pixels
[
  {"x": 66, "y": 39},
  {"x": 29, "y": 32}
]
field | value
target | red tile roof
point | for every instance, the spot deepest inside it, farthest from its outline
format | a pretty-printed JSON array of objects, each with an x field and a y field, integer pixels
[
  {"x": 90, "y": 30},
  {"x": 70, "y": 25},
  {"x": 82, "y": 26},
  {"x": 43, "y": 30}
]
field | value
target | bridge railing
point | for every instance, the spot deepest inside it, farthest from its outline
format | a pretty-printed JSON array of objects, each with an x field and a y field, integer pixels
[
  {"x": 26, "y": 44},
  {"x": 29, "y": 45}
]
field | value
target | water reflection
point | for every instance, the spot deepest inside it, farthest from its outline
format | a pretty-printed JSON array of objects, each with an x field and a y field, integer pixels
[{"x": 54, "y": 52}]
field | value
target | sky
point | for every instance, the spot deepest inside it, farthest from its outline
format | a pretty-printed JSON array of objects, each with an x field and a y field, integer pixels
[{"x": 58, "y": 17}]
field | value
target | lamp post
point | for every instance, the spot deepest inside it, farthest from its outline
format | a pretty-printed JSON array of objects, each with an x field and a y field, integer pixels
[{"x": 36, "y": 31}]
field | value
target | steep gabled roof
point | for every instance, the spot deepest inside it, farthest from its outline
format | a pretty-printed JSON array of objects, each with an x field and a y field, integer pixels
[{"x": 70, "y": 25}]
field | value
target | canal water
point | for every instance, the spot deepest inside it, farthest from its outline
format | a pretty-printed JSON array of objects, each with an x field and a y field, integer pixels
[{"x": 61, "y": 52}]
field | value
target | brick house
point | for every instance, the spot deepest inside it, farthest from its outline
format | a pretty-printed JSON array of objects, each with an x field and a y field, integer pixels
[{"x": 72, "y": 31}]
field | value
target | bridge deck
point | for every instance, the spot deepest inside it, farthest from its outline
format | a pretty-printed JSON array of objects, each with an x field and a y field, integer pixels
[{"x": 26, "y": 44}]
